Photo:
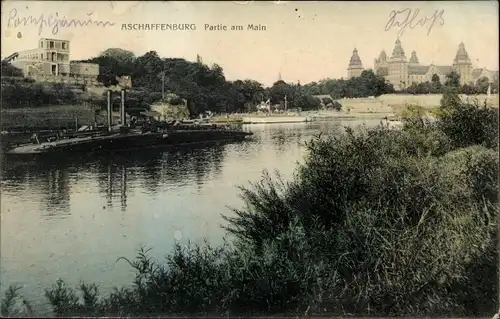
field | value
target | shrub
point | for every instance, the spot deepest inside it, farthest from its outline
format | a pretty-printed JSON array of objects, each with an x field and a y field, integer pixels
[
  {"x": 405, "y": 226},
  {"x": 468, "y": 124}
]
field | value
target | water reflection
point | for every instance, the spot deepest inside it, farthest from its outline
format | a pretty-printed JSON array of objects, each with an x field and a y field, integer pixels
[
  {"x": 116, "y": 175},
  {"x": 58, "y": 190}
]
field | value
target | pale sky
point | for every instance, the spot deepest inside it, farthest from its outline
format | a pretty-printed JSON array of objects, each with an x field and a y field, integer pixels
[{"x": 306, "y": 41}]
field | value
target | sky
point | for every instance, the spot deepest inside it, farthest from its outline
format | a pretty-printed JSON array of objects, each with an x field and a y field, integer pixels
[{"x": 304, "y": 41}]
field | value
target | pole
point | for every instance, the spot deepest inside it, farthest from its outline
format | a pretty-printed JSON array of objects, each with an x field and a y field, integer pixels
[
  {"x": 163, "y": 86},
  {"x": 122, "y": 109},
  {"x": 76, "y": 124},
  {"x": 285, "y": 103},
  {"x": 110, "y": 115}
]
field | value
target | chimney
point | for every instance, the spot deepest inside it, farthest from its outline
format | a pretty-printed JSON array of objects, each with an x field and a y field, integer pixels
[
  {"x": 122, "y": 109},
  {"x": 110, "y": 113}
]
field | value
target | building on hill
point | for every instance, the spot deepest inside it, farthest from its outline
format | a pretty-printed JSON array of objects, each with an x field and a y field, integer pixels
[
  {"x": 355, "y": 67},
  {"x": 50, "y": 62},
  {"x": 401, "y": 72}
]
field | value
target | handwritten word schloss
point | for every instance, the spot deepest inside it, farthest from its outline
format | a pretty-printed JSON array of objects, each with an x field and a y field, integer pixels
[
  {"x": 408, "y": 18},
  {"x": 52, "y": 21}
]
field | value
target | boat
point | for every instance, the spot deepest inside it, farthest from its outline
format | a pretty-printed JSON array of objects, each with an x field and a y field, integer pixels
[
  {"x": 133, "y": 139},
  {"x": 127, "y": 137}
]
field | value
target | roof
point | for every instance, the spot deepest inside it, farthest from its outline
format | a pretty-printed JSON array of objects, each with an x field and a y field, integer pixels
[
  {"x": 355, "y": 61},
  {"x": 418, "y": 69},
  {"x": 135, "y": 111},
  {"x": 462, "y": 55},
  {"x": 414, "y": 58},
  {"x": 477, "y": 72},
  {"x": 445, "y": 69},
  {"x": 150, "y": 113},
  {"x": 398, "y": 50}
]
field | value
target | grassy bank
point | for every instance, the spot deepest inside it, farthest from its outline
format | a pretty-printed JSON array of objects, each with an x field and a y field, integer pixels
[
  {"x": 231, "y": 119},
  {"x": 47, "y": 117},
  {"x": 375, "y": 222}
]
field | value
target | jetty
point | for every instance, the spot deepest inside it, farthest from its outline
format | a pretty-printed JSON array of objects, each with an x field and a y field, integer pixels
[{"x": 152, "y": 133}]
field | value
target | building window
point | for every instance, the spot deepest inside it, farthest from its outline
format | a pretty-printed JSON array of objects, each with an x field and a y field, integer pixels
[
  {"x": 64, "y": 46},
  {"x": 51, "y": 44},
  {"x": 41, "y": 44}
]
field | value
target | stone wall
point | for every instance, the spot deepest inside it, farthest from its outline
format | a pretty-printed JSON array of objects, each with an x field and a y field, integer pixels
[
  {"x": 84, "y": 69},
  {"x": 77, "y": 80},
  {"x": 390, "y": 101}
]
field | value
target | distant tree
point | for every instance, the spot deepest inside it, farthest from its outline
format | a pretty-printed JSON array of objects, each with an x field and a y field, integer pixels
[
  {"x": 482, "y": 85},
  {"x": 436, "y": 86},
  {"x": 10, "y": 70},
  {"x": 413, "y": 88},
  {"x": 468, "y": 89},
  {"x": 435, "y": 78},
  {"x": 452, "y": 80},
  {"x": 122, "y": 56},
  {"x": 424, "y": 88}
]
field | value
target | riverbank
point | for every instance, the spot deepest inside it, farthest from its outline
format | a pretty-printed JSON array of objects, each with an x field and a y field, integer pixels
[
  {"x": 301, "y": 117},
  {"x": 65, "y": 116}
]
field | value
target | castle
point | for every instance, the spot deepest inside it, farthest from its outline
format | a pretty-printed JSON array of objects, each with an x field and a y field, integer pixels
[{"x": 402, "y": 73}]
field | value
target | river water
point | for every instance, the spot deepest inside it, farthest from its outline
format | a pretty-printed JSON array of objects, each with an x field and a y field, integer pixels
[{"x": 73, "y": 218}]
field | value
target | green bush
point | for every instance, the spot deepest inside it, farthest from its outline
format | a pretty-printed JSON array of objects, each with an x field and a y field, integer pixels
[
  {"x": 468, "y": 124},
  {"x": 406, "y": 225}
]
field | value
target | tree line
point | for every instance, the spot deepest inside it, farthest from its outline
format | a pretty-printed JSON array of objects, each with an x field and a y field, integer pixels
[
  {"x": 452, "y": 79},
  {"x": 204, "y": 87}
]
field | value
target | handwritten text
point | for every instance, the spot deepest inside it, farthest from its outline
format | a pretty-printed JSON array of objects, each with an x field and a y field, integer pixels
[
  {"x": 52, "y": 21},
  {"x": 408, "y": 18}
]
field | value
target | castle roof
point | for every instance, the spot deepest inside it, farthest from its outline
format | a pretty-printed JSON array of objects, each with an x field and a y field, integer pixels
[
  {"x": 418, "y": 69},
  {"x": 444, "y": 69},
  {"x": 398, "y": 51},
  {"x": 382, "y": 56},
  {"x": 462, "y": 55},
  {"x": 414, "y": 58},
  {"x": 355, "y": 62},
  {"x": 476, "y": 73}
]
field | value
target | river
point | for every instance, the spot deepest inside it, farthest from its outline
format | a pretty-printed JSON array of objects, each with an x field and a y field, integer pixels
[{"x": 72, "y": 219}]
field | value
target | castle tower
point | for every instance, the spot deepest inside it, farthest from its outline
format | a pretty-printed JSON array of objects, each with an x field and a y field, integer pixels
[
  {"x": 414, "y": 59},
  {"x": 398, "y": 67},
  {"x": 355, "y": 67},
  {"x": 463, "y": 65},
  {"x": 380, "y": 65}
]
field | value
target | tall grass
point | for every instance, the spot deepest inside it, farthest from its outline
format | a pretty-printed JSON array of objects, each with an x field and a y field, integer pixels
[{"x": 375, "y": 222}]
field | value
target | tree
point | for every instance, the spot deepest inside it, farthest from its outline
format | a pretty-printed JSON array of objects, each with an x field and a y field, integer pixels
[
  {"x": 435, "y": 78},
  {"x": 436, "y": 86},
  {"x": 452, "y": 80},
  {"x": 124, "y": 57},
  {"x": 468, "y": 89},
  {"x": 413, "y": 88},
  {"x": 10, "y": 70},
  {"x": 482, "y": 85}
]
